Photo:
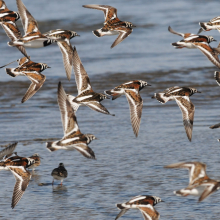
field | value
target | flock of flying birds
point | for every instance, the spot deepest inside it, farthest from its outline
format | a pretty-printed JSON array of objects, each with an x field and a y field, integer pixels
[{"x": 199, "y": 183}]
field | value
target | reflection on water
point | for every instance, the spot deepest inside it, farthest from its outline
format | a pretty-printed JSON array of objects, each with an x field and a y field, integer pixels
[{"x": 126, "y": 166}]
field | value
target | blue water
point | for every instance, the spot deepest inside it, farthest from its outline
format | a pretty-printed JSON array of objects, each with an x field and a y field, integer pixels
[{"x": 126, "y": 166}]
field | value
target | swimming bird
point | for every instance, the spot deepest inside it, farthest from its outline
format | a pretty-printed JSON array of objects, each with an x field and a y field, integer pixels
[
  {"x": 37, "y": 162},
  {"x": 33, "y": 37},
  {"x": 17, "y": 165},
  {"x": 112, "y": 24},
  {"x": 131, "y": 90},
  {"x": 62, "y": 37},
  {"x": 199, "y": 183},
  {"x": 144, "y": 203},
  {"x": 73, "y": 138},
  {"x": 33, "y": 71},
  {"x": 190, "y": 39},
  {"x": 59, "y": 173},
  {"x": 213, "y": 24},
  {"x": 181, "y": 96},
  {"x": 86, "y": 95},
  {"x": 7, "y": 21}
]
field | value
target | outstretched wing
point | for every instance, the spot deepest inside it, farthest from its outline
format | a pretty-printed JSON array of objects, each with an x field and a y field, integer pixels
[
  {"x": 211, "y": 187},
  {"x": 67, "y": 113},
  {"x": 67, "y": 53},
  {"x": 8, "y": 150},
  {"x": 81, "y": 76},
  {"x": 209, "y": 53},
  {"x": 188, "y": 109},
  {"x": 85, "y": 150},
  {"x": 97, "y": 106},
  {"x": 149, "y": 213},
  {"x": 109, "y": 11},
  {"x": 29, "y": 23},
  {"x": 123, "y": 33},
  {"x": 174, "y": 32},
  {"x": 135, "y": 103},
  {"x": 37, "y": 81},
  {"x": 22, "y": 177},
  {"x": 197, "y": 170}
]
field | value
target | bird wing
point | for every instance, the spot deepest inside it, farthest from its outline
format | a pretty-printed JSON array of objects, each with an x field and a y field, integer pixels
[
  {"x": 67, "y": 113},
  {"x": 122, "y": 212},
  {"x": 135, "y": 103},
  {"x": 85, "y": 150},
  {"x": 22, "y": 177},
  {"x": 37, "y": 81},
  {"x": 81, "y": 76},
  {"x": 149, "y": 212},
  {"x": 123, "y": 33},
  {"x": 211, "y": 187},
  {"x": 29, "y": 23},
  {"x": 110, "y": 12},
  {"x": 197, "y": 170},
  {"x": 217, "y": 77},
  {"x": 67, "y": 53},
  {"x": 209, "y": 53},
  {"x": 8, "y": 150},
  {"x": 14, "y": 34},
  {"x": 97, "y": 106},
  {"x": 174, "y": 32},
  {"x": 188, "y": 109}
]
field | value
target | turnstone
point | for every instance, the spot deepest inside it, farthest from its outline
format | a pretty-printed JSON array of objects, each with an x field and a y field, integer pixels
[
  {"x": 190, "y": 39},
  {"x": 144, "y": 203},
  {"x": 131, "y": 90},
  {"x": 33, "y": 37},
  {"x": 59, "y": 173},
  {"x": 181, "y": 96},
  {"x": 199, "y": 183},
  {"x": 62, "y": 37},
  {"x": 36, "y": 158},
  {"x": 73, "y": 138},
  {"x": 33, "y": 71},
  {"x": 7, "y": 21},
  {"x": 17, "y": 165},
  {"x": 86, "y": 95},
  {"x": 217, "y": 77},
  {"x": 213, "y": 24},
  {"x": 112, "y": 24}
]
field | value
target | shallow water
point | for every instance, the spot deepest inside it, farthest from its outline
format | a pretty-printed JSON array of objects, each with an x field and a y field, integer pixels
[{"x": 126, "y": 166}]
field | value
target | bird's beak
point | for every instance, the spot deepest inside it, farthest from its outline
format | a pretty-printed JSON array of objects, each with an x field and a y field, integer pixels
[
  {"x": 148, "y": 85},
  {"x": 78, "y": 35},
  {"x": 162, "y": 201},
  {"x": 199, "y": 92},
  {"x": 48, "y": 67}
]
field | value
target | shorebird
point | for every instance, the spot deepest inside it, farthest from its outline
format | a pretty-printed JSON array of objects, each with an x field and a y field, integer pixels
[
  {"x": 213, "y": 24},
  {"x": 17, "y": 165},
  {"x": 144, "y": 203},
  {"x": 59, "y": 173},
  {"x": 7, "y": 21},
  {"x": 131, "y": 90},
  {"x": 199, "y": 183},
  {"x": 86, "y": 95},
  {"x": 33, "y": 37},
  {"x": 181, "y": 96},
  {"x": 33, "y": 71},
  {"x": 190, "y": 39},
  {"x": 62, "y": 37},
  {"x": 112, "y": 24},
  {"x": 73, "y": 138}
]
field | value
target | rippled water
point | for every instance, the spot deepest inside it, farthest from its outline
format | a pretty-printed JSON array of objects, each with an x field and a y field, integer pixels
[{"x": 126, "y": 166}]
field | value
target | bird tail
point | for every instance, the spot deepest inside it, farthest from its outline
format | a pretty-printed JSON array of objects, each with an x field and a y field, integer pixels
[
  {"x": 160, "y": 97},
  {"x": 11, "y": 72},
  {"x": 112, "y": 93},
  {"x": 98, "y": 33},
  {"x": 50, "y": 147}
]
